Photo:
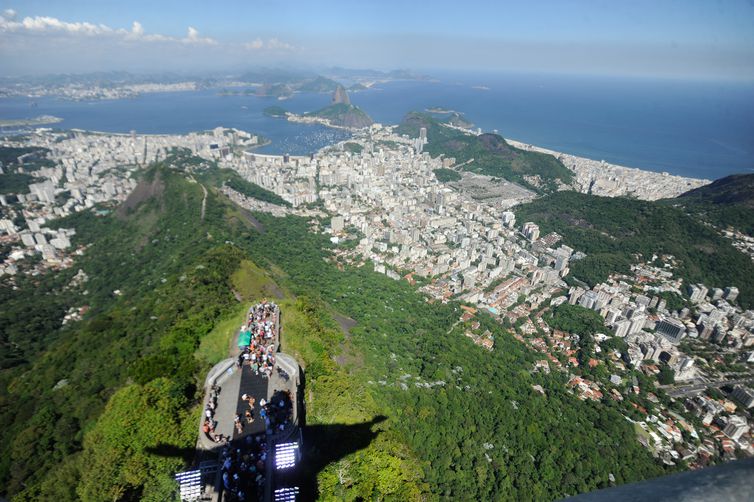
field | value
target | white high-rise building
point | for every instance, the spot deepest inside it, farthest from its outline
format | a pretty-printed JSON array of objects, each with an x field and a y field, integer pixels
[
  {"x": 337, "y": 224},
  {"x": 697, "y": 292},
  {"x": 509, "y": 219},
  {"x": 730, "y": 294},
  {"x": 531, "y": 230},
  {"x": 737, "y": 427}
]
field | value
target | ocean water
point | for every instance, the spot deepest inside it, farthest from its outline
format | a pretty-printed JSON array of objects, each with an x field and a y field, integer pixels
[{"x": 697, "y": 129}]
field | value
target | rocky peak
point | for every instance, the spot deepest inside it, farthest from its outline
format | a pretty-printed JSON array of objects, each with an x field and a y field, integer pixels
[{"x": 340, "y": 96}]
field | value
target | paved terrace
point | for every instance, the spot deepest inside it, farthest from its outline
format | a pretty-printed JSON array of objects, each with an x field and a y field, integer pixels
[
  {"x": 235, "y": 382},
  {"x": 231, "y": 381}
]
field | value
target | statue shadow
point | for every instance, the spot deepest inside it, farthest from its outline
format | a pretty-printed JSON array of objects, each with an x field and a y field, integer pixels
[
  {"x": 322, "y": 446},
  {"x": 326, "y": 444}
]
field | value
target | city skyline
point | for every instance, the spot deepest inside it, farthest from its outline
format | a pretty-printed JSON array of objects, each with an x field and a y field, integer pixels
[{"x": 664, "y": 39}]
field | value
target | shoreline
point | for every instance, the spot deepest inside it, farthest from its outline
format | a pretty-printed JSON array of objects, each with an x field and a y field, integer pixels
[
  {"x": 590, "y": 176},
  {"x": 603, "y": 178}
]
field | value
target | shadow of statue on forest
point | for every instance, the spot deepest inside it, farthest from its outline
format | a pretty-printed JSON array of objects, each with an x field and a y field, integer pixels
[
  {"x": 188, "y": 454},
  {"x": 325, "y": 444}
]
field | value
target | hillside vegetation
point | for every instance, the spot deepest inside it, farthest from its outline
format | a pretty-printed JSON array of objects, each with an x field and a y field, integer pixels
[
  {"x": 275, "y": 111},
  {"x": 727, "y": 202},
  {"x": 84, "y": 403},
  {"x": 613, "y": 231},
  {"x": 446, "y": 175},
  {"x": 219, "y": 177},
  {"x": 443, "y": 396},
  {"x": 488, "y": 154}
]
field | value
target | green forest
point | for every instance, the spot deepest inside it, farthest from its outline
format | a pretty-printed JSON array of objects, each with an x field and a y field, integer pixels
[
  {"x": 85, "y": 404},
  {"x": 75, "y": 398},
  {"x": 446, "y": 175},
  {"x": 616, "y": 232},
  {"x": 727, "y": 202},
  {"x": 487, "y": 154}
]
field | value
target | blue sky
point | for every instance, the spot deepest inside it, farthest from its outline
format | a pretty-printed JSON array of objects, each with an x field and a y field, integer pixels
[{"x": 692, "y": 38}]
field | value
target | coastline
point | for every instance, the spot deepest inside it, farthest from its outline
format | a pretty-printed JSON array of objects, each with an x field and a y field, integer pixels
[
  {"x": 590, "y": 176},
  {"x": 610, "y": 180}
]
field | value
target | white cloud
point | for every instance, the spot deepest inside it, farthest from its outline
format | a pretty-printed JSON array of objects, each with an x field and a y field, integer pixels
[
  {"x": 137, "y": 30},
  {"x": 254, "y": 45},
  {"x": 276, "y": 44},
  {"x": 192, "y": 37},
  {"x": 49, "y": 25},
  {"x": 272, "y": 44},
  {"x": 42, "y": 24}
]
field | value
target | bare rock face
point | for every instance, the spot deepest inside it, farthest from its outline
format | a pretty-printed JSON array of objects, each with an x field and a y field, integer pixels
[{"x": 340, "y": 96}]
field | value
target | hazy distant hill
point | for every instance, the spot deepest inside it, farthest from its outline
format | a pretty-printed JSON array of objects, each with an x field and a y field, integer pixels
[
  {"x": 725, "y": 202},
  {"x": 488, "y": 153},
  {"x": 319, "y": 84},
  {"x": 275, "y": 90},
  {"x": 274, "y": 75}
]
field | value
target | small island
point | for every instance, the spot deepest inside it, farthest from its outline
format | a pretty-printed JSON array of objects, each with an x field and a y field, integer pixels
[
  {"x": 36, "y": 121},
  {"x": 340, "y": 114},
  {"x": 277, "y": 112}
]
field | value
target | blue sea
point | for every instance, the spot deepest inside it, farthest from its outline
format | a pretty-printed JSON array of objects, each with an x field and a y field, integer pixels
[{"x": 697, "y": 129}]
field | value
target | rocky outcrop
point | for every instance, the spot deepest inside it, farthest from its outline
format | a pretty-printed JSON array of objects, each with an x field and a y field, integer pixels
[{"x": 340, "y": 96}]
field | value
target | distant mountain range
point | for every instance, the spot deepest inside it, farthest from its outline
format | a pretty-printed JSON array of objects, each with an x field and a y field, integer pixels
[{"x": 271, "y": 78}]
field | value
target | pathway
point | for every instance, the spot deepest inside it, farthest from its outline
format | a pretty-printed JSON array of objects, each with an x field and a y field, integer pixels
[{"x": 204, "y": 201}]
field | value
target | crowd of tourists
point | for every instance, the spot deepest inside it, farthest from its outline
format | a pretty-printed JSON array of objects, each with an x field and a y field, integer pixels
[
  {"x": 210, "y": 424},
  {"x": 243, "y": 468},
  {"x": 257, "y": 339},
  {"x": 278, "y": 411}
]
